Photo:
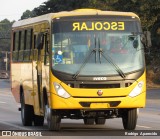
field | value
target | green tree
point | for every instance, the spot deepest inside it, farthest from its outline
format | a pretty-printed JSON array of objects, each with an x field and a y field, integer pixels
[
  {"x": 148, "y": 10},
  {"x": 68, "y": 5},
  {"x": 5, "y": 29},
  {"x": 27, "y": 14}
]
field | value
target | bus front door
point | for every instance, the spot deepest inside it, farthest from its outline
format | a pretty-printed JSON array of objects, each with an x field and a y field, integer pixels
[{"x": 40, "y": 72}]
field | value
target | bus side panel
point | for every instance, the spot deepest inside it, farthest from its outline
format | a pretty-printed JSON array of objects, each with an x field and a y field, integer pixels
[
  {"x": 35, "y": 89},
  {"x": 15, "y": 80},
  {"x": 22, "y": 76},
  {"x": 26, "y": 81}
]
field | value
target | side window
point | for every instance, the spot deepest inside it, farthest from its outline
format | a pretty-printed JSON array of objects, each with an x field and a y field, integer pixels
[
  {"x": 46, "y": 50},
  {"x": 43, "y": 53},
  {"x": 30, "y": 47},
  {"x": 15, "y": 46},
  {"x": 35, "y": 51},
  {"x": 27, "y": 44},
  {"x": 21, "y": 45}
]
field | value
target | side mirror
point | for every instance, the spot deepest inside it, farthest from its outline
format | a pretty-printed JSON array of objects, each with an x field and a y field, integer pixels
[
  {"x": 143, "y": 39},
  {"x": 133, "y": 39},
  {"x": 146, "y": 39},
  {"x": 40, "y": 41}
]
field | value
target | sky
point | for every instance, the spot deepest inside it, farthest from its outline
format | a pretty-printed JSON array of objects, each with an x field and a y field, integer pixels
[{"x": 13, "y": 9}]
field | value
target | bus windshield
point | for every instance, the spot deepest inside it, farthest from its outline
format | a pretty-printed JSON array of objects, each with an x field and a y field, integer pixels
[{"x": 92, "y": 47}]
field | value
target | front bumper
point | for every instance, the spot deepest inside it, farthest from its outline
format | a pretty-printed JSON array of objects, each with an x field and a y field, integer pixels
[{"x": 57, "y": 102}]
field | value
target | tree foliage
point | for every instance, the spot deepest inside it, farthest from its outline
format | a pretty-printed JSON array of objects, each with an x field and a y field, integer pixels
[
  {"x": 5, "y": 29},
  {"x": 148, "y": 10},
  {"x": 68, "y": 5},
  {"x": 28, "y": 14}
]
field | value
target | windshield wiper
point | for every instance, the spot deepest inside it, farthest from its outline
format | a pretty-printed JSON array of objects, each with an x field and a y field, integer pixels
[
  {"x": 109, "y": 59},
  {"x": 84, "y": 63},
  {"x": 86, "y": 59},
  {"x": 100, "y": 50},
  {"x": 117, "y": 68}
]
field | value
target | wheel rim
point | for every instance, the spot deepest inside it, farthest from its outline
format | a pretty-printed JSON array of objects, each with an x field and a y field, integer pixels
[
  {"x": 45, "y": 112},
  {"x": 49, "y": 114}
]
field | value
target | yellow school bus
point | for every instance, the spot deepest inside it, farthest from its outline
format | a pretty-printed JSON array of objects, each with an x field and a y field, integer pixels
[{"x": 84, "y": 64}]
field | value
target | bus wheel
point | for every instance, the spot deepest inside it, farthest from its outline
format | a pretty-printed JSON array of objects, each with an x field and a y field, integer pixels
[
  {"x": 26, "y": 112},
  {"x": 88, "y": 121},
  {"x": 100, "y": 121},
  {"x": 38, "y": 120},
  {"x": 54, "y": 121},
  {"x": 129, "y": 119}
]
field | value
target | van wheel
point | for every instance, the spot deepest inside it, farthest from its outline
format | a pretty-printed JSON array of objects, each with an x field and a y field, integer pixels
[
  {"x": 129, "y": 119},
  {"x": 88, "y": 121},
  {"x": 54, "y": 121},
  {"x": 26, "y": 112}
]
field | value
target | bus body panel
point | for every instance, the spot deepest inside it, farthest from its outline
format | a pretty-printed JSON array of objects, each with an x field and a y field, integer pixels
[
  {"x": 98, "y": 103},
  {"x": 22, "y": 77}
]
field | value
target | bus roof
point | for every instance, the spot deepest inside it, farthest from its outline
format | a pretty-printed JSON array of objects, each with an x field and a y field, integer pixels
[{"x": 78, "y": 12}]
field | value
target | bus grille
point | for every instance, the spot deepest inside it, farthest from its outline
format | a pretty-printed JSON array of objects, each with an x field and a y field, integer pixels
[
  {"x": 94, "y": 85},
  {"x": 111, "y": 103},
  {"x": 100, "y": 85}
]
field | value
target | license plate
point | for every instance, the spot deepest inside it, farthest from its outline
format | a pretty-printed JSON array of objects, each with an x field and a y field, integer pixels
[{"x": 99, "y": 105}]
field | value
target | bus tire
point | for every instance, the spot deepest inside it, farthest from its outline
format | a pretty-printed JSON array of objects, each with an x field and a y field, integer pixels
[
  {"x": 88, "y": 121},
  {"x": 100, "y": 121},
  {"x": 38, "y": 120},
  {"x": 26, "y": 112},
  {"x": 129, "y": 119},
  {"x": 54, "y": 121},
  {"x": 45, "y": 104}
]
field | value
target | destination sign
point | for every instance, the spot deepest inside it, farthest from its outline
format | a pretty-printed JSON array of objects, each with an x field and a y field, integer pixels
[
  {"x": 98, "y": 23},
  {"x": 91, "y": 26}
]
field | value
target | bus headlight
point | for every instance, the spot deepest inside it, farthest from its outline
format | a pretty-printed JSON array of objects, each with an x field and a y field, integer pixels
[
  {"x": 137, "y": 90},
  {"x": 60, "y": 91}
]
